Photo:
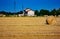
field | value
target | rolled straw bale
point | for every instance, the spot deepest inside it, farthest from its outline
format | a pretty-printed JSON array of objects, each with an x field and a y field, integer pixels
[{"x": 50, "y": 20}]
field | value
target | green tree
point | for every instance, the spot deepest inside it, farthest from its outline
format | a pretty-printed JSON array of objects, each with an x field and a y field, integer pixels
[
  {"x": 44, "y": 12},
  {"x": 20, "y": 12},
  {"x": 58, "y": 12},
  {"x": 53, "y": 12},
  {"x": 36, "y": 12}
]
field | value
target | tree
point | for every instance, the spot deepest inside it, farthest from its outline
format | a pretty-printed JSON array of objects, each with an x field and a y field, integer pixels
[
  {"x": 37, "y": 12},
  {"x": 20, "y": 12},
  {"x": 3, "y": 12},
  {"x": 58, "y": 12},
  {"x": 44, "y": 12},
  {"x": 53, "y": 12}
]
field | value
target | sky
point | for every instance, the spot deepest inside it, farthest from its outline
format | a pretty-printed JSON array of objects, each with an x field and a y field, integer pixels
[{"x": 8, "y": 5}]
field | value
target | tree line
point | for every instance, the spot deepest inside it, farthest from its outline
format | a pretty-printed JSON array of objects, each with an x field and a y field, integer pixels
[
  {"x": 41, "y": 12},
  {"x": 10, "y": 13}
]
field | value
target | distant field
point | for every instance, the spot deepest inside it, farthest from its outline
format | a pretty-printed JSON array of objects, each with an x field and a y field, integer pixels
[{"x": 28, "y": 28}]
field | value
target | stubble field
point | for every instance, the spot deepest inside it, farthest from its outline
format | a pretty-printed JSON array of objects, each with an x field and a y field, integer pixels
[{"x": 28, "y": 28}]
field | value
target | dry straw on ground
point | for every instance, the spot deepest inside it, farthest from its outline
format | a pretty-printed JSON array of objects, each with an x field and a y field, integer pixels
[
  {"x": 51, "y": 20},
  {"x": 27, "y": 28}
]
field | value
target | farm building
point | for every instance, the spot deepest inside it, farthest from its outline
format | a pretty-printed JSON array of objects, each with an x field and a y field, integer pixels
[
  {"x": 29, "y": 12},
  {"x": 20, "y": 15},
  {"x": 2, "y": 14}
]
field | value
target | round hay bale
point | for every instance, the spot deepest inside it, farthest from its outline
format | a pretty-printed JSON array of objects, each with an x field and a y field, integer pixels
[{"x": 51, "y": 20}]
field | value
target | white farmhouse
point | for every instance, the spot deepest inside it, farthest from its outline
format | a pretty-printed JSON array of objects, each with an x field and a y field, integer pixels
[{"x": 29, "y": 12}]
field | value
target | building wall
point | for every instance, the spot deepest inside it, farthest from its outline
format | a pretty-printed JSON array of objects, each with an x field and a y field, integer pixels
[{"x": 30, "y": 13}]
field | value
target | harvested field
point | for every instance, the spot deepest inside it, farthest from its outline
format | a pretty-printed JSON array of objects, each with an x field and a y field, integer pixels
[{"x": 28, "y": 28}]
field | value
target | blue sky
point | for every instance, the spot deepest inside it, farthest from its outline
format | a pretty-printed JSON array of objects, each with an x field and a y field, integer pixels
[{"x": 8, "y": 5}]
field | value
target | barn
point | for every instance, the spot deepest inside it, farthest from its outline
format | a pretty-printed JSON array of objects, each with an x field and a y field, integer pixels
[{"x": 29, "y": 12}]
